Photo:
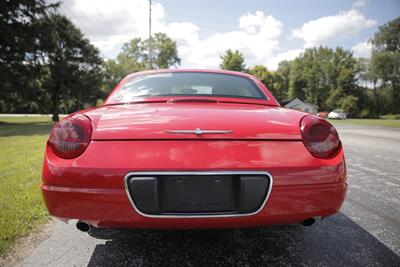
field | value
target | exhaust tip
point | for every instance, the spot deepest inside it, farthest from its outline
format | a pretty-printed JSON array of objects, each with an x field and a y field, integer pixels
[
  {"x": 308, "y": 222},
  {"x": 83, "y": 227}
]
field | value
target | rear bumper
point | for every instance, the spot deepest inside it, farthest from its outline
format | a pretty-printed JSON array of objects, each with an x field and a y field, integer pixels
[
  {"x": 91, "y": 187},
  {"x": 111, "y": 207},
  {"x": 198, "y": 194}
]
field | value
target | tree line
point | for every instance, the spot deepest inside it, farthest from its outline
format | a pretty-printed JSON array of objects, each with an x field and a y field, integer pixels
[
  {"x": 335, "y": 79},
  {"x": 48, "y": 66}
]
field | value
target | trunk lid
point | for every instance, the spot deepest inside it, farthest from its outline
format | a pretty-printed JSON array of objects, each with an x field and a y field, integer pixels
[{"x": 168, "y": 120}]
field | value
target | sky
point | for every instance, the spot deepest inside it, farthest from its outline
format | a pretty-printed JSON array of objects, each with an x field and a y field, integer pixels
[{"x": 265, "y": 31}]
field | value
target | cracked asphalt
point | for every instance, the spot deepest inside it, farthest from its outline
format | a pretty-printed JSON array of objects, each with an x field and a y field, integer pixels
[{"x": 365, "y": 233}]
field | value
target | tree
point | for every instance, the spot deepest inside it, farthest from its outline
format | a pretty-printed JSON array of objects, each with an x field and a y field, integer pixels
[
  {"x": 164, "y": 52},
  {"x": 386, "y": 61},
  {"x": 372, "y": 100},
  {"x": 284, "y": 71},
  {"x": 387, "y": 38},
  {"x": 116, "y": 69},
  {"x": 296, "y": 80},
  {"x": 272, "y": 80},
  {"x": 349, "y": 103},
  {"x": 18, "y": 51},
  {"x": 262, "y": 73},
  {"x": 135, "y": 57},
  {"x": 111, "y": 74},
  {"x": 323, "y": 76},
  {"x": 72, "y": 64},
  {"x": 232, "y": 60},
  {"x": 278, "y": 87},
  {"x": 46, "y": 65}
]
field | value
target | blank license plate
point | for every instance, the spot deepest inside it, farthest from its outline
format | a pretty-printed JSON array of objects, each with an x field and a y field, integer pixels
[{"x": 197, "y": 194}]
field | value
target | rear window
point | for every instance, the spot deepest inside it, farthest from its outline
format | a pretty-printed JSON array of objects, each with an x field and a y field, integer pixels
[{"x": 188, "y": 84}]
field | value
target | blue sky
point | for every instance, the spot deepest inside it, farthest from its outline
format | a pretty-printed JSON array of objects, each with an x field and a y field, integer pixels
[
  {"x": 219, "y": 16},
  {"x": 265, "y": 31}
]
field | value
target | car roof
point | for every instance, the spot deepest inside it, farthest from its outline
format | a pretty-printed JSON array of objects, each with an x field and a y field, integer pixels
[
  {"x": 218, "y": 71},
  {"x": 270, "y": 98}
]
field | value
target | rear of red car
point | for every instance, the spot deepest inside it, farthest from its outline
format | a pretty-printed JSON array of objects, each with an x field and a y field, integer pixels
[{"x": 193, "y": 160}]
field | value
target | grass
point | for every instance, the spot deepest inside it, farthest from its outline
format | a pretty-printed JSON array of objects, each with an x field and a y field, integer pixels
[
  {"x": 22, "y": 143},
  {"x": 369, "y": 122}
]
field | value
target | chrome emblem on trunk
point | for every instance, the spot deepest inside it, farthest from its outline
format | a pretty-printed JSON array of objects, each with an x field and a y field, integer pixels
[{"x": 199, "y": 131}]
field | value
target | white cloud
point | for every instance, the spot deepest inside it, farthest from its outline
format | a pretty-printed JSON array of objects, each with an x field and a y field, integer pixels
[
  {"x": 185, "y": 34},
  {"x": 259, "y": 23},
  {"x": 362, "y": 49},
  {"x": 359, "y": 3},
  {"x": 257, "y": 38},
  {"x": 322, "y": 30},
  {"x": 109, "y": 26},
  {"x": 272, "y": 63}
]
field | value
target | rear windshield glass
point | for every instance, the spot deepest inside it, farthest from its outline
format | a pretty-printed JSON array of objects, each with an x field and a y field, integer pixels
[{"x": 188, "y": 84}]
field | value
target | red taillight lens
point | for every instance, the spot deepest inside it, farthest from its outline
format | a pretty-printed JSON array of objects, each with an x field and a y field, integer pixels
[
  {"x": 319, "y": 137},
  {"x": 70, "y": 137}
]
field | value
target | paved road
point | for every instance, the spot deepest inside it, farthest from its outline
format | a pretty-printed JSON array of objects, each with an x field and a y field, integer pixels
[{"x": 365, "y": 233}]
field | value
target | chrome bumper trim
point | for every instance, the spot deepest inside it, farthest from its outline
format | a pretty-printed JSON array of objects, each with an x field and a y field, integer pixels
[{"x": 193, "y": 173}]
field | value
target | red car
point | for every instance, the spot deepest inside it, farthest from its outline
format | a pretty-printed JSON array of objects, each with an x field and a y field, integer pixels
[{"x": 192, "y": 149}]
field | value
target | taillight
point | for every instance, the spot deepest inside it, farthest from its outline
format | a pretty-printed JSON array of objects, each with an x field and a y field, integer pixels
[
  {"x": 70, "y": 137},
  {"x": 319, "y": 136}
]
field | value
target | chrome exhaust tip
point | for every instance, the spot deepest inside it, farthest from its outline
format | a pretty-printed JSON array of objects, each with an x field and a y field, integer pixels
[
  {"x": 83, "y": 227},
  {"x": 308, "y": 222}
]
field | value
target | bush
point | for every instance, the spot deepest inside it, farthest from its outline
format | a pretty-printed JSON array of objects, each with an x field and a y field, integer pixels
[
  {"x": 365, "y": 114},
  {"x": 390, "y": 117}
]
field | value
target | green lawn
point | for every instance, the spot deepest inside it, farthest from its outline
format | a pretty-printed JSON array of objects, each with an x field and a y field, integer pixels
[
  {"x": 22, "y": 143},
  {"x": 369, "y": 122}
]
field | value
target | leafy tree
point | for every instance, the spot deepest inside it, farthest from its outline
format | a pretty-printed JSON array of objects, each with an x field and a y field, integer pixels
[
  {"x": 349, "y": 103},
  {"x": 296, "y": 80},
  {"x": 386, "y": 61},
  {"x": 18, "y": 50},
  {"x": 284, "y": 72},
  {"x": 387, "y": 38},
  {"x": 373, "y": 98},
  {"x": 164, "y": 52},
  {"x": 72, "y": 64},
  {"x": 279, "y": 88},
  {"x": 272, "y": 80},
  {"x": 262, "y": 73},
  {"x": 323, "y": 76},
  {"x": 135, "y": 57},
  {"x": 232, "y": 60},
  {"x": 116, "y": 69},
  {"x": 46, "y": 63}
]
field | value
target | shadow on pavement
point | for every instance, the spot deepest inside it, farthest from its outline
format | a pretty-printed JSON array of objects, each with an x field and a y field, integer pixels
[{"x": 334, "y": 241}]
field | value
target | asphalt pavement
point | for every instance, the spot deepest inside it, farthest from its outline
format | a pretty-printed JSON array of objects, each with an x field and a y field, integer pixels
[{"x": 365, "y": 233}]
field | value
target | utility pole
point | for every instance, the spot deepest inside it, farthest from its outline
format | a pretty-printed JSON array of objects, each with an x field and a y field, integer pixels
[{"x": 150, "y": 48}]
